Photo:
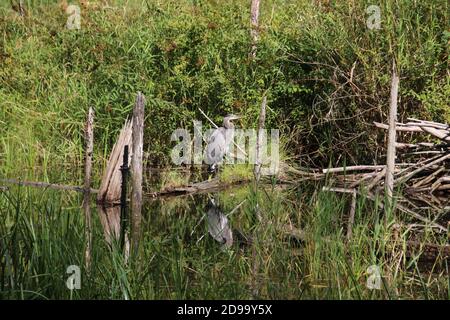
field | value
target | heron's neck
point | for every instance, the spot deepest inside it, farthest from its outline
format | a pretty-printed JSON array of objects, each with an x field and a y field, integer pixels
[{"x": 228, "y": 124}]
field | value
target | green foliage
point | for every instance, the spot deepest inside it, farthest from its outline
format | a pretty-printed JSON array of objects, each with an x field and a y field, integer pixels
[{"x": 327, "y": 75}]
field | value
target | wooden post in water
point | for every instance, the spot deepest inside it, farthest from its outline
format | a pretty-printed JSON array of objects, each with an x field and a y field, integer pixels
[
  {"x": 257, "y": 173},
  {"x": 390, "y": 158},
  {"x": 123, "y": 197},
  {"x": 137, "y": 170},
  {"x": 89, "y": 147}
]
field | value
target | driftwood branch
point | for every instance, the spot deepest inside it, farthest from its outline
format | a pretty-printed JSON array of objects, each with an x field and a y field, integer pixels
[
  {"x": 390, "y": 158},
  {"x": 422, "y": 168},
  {"x": 353, "y": 168},
  {"x": 437, "y": 130}
]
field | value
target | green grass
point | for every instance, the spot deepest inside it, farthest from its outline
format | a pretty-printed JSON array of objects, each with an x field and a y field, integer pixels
[
  {"x": 173, "y": 179},
  {"x": 236, "y": 172}
]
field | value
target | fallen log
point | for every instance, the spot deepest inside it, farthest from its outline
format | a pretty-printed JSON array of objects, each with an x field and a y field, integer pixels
[
  {"x": 441, "y": 134},
  {"x": 208, "y": 186},
  {"x": 427, "y": 179}
]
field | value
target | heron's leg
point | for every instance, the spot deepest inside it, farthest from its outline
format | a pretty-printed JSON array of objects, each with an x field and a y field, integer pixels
[
  {"x": 216, "y": 171},
  {"x": 212, "y": 171}
]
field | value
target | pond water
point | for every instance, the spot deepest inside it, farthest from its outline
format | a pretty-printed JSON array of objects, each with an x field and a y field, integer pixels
[{"x": 275, "y": 243}]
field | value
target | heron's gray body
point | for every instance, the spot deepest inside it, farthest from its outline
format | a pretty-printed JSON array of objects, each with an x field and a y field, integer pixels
[{"x": 219, "y": 143}]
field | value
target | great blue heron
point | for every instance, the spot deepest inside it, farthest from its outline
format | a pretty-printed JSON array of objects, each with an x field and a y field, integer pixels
[
  {"x": 218, "y": 225},
  {"x": 219, "y": 143}
]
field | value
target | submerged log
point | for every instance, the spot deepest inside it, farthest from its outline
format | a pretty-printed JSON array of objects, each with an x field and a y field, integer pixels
[{"x": 47, "y": 185}]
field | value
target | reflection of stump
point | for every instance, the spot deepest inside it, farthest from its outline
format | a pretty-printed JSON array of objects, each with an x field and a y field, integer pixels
[{"x": 110, "y": 220}]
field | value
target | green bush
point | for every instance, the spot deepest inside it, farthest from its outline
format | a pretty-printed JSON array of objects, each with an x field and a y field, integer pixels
[{"x": 327, "y": 75}]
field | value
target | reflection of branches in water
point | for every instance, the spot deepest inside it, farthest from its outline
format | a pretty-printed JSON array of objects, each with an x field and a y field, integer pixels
[{"x": 110, "y": 220}]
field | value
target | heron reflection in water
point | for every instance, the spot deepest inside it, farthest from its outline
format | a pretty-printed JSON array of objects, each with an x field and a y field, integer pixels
[{"x": 218, "y": 225}]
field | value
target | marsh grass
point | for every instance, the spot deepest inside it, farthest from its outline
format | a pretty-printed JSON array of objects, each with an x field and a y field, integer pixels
[
  {"x": 236, "y": 172},
  {"x": 173, "y": 179},
  {"x": 42, "y": 233}
]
